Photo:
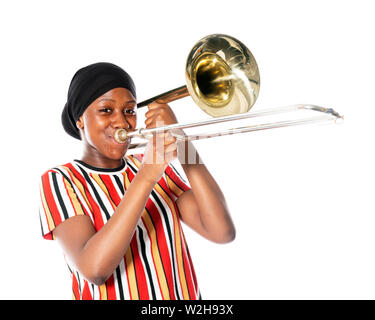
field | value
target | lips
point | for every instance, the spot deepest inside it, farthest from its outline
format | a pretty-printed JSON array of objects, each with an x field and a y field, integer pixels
[{"x": 113, "y": 140}]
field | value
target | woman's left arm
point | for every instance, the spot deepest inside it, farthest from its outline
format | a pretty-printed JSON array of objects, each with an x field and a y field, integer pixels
[{"x": 203, "y": 208}]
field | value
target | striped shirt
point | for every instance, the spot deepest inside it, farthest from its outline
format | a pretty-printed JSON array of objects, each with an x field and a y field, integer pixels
[{"x": 157, "y": 264}]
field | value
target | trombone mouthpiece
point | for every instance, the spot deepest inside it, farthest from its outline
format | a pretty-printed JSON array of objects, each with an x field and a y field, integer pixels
[{"x": 121, "y": 135}]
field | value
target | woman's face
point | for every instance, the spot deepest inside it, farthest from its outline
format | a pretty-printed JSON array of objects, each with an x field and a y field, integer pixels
[{"x": 113, "y": 110}]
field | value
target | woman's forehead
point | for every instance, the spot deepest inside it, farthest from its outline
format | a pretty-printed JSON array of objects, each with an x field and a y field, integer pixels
[{"x": 117, "y": 95}]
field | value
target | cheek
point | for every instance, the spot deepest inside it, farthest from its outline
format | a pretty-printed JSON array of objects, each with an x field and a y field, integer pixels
[
  {"x": 94, "y": 128},
  {"x": 133, "y": 122}
]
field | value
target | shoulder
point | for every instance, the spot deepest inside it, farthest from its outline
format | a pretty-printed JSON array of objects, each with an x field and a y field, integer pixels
[{"x": 61, "y": 171}]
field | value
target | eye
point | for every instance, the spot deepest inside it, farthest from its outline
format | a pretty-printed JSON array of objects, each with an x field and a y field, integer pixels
[
  {"x": 129, "y": 111},
  {"x": 105, "y": 110}
]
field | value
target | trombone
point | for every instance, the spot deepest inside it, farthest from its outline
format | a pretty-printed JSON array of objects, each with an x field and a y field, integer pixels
[{"x": 222, "y": 77}]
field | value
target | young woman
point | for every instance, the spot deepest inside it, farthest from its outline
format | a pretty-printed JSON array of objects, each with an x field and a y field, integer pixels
[{"x": 117, "y": 217}]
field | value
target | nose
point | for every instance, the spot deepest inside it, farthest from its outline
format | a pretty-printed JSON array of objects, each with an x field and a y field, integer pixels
[{"x": 119, "y": 121}]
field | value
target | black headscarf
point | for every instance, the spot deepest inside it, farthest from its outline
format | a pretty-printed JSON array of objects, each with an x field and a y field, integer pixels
[{"x": 88, "y": 84}]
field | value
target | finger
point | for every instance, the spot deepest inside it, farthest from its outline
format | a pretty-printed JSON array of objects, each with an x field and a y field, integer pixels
[
  {"x": 154, "y": 105},
  {"x": 170, "y": 148},
  {"x": 150, "y": 123},
  {"x": 150, "y": 113}
]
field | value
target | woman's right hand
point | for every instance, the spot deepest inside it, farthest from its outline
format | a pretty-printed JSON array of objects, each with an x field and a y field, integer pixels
[{"x": 161, "y": 148}]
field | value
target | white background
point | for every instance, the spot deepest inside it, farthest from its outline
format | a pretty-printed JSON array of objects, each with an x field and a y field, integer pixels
[{"x": 301, "y": 198}]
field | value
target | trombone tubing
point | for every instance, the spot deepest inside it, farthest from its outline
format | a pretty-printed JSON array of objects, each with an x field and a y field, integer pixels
[{"x": 328, "y": 114}]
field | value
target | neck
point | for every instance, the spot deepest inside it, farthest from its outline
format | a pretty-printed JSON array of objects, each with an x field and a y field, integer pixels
[
  {"x": 96, "y": 159},
  {"x": 102, "y": 162}
]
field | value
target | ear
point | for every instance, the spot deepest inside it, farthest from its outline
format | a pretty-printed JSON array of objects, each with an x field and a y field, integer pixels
[{"x": 79, "y": 123}]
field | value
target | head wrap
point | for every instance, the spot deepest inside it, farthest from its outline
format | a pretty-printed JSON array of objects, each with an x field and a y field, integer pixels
[{"x": 88, "y": 84}]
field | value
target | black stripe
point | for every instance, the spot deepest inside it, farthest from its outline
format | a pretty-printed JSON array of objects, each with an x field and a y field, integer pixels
[
  {"x": 157, "y": 244},
  {"x": 183, "y": 266},
  {"x": 122, "y": 166},
  {"x": 71, "y": 184},
  {"x": 135, "y": 171},
  {"x": 79, "y": 283},
  {"x": 135, "y": 270},
  {"x": 58, "y": 194},
  {"x": 41, "y": 224},
  {"x": 171, "y": 244},
  {"x": 99, "y": 200},
  {"x": 120, "y": 185},
  {"x": 174, "y": 182},
  {"x": 177, "y": 173},
  {"x": 64, "y": 175},
  {"x": 143, "y": 252},
  {"x": 109, "y": 194},
  {"x": 165, "y": 216},
  {"x": 119, "y": 282}
]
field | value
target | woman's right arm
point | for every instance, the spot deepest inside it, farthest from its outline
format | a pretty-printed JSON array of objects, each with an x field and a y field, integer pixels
[{"x": 97, "y": 254}]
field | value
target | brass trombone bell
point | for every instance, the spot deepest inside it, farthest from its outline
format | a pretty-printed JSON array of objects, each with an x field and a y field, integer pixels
[{"x": 222, "y": 77}]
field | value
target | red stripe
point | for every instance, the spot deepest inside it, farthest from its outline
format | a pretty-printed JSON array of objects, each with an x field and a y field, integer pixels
[
  {"x": 162, "y": 244},
  {"x": 48, "y": 236},
  {"x": 192, "y": 269},
  {"x": 50, "y": 199},
  {"x": 152, "y": 255},
  {"x": 139, "y": 271},
  {"x": 111, "y": 289},
  {"x": 176, "y": 179},
  {"x": 127, "y": 277},
  {"x": 130, "y": 175},
  {"x": 186, "y": 263},
  {"x": 111, "y": 189},
  {"x": 174, "y": 212},
  {"x": 98, "y": 219},
  {"x": 75, "y": 287},
  {"x": 86, "y": 294},
  {"x": 191, "y": 288}
]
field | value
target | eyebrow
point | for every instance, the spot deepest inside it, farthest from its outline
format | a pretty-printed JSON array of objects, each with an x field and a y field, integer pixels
[{"x": 109, "y": 99}]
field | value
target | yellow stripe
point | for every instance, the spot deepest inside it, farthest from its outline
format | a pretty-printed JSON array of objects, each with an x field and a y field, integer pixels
[
  {"x": 176, "y": 232},
  {"x": 178, "y": 242},
  {"x": 103, "y": 187},
  {"x": 80, "y": 187},
  {"x": 156, "y": 255},
  {"x": 131, "y": 274},
  {"x": 126, "y": 180},
  {"x": 173, "y": 186},
  {"x": 135, "y": 161},
  {"x": 130, "y": 269},
  {"x": 103, "y": 292},
  {"x": 73, "y": 197},
  {"x": 51, "y": 224}
]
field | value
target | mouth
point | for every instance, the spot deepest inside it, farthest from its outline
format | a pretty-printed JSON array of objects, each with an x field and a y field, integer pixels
[{"x": 113, "y": 140}]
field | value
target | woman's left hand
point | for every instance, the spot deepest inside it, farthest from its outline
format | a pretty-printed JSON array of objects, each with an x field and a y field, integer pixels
[{"x": 159, "y": 115}]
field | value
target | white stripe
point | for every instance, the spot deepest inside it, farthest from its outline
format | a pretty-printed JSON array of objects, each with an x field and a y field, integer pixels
[
  {"x": 143, "y": 262},
  {"x": 78, "y": 193},
  {"x": 174, "y": 267},
  {"x": 150, "y": 260},
  {"x": 124, "y": 280},
  {"x": 172, "y": 227},
  {"x": 171, "y": 224},
  {"x": 100, "y": 193},
  {"x": 62, "y": 191}
]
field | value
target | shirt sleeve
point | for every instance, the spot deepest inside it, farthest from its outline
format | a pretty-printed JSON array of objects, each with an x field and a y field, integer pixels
[
  {"x": 59, "y": 201},
  {"x": 176, "y": 183}
]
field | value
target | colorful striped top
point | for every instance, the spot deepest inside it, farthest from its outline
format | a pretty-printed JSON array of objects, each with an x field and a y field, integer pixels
[{"x": 157, "y": 264}]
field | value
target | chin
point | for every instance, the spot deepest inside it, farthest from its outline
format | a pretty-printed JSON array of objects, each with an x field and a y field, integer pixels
[{"x": 116, "y": 155}]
